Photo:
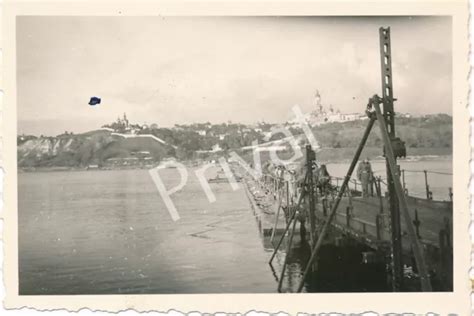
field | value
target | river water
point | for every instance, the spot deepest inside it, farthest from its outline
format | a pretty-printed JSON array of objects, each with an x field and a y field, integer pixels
[
  {"x": 109, "y": 232},
  {"x": 94, "y": 232}
]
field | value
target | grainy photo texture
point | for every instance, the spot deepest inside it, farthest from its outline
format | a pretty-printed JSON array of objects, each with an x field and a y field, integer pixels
[{"x": 265, "y": 154}]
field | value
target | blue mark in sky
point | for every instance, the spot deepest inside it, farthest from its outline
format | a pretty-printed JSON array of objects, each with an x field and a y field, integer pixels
[{"x": 94, "y": 101}]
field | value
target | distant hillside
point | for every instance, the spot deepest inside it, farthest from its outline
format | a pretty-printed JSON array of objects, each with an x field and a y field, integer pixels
[
  {"x": 91, "y": 148},
  {"x": 431, "y": 131},
  {"x": 430, "y": 135},
  {"x": 124, "y": 147},
  {"x": 427, "y": 135}
]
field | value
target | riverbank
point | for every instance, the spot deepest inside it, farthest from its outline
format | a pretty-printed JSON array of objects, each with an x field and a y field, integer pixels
[
  {"x": 325, "y": 155},
  {"x": 337, "y": 155}
]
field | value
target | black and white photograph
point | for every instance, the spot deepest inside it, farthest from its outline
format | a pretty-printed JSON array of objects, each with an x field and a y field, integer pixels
[
  {"x": 299, "y": 156},
  {"x": 236, "y": 154}
]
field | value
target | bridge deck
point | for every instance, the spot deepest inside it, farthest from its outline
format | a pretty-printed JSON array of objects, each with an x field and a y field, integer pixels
[{"x": 362, "y": 220}]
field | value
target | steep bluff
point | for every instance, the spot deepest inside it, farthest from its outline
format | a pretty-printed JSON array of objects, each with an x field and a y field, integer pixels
[{"x": 83, "y": 150}]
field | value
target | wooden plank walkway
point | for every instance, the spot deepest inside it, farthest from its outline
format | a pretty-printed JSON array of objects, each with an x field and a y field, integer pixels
[
  {"x": 360, "y": 220},
  {"x": 360, "y": 217},
  {"x": 364, "y": 219}
]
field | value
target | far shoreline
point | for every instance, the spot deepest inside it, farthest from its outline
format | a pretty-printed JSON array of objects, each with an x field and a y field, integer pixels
[{"x": 325, "y": 156}]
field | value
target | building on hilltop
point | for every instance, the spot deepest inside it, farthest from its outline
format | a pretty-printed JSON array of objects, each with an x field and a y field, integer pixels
[
  {"x": 322, "y": 115},
  {"x": 123, "y": 126}
]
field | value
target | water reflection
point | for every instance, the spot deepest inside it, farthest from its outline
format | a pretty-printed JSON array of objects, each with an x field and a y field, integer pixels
[{"x": 338, "y": 269}]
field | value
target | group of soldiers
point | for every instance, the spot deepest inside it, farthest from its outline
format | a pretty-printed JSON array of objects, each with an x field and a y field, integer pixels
[
  {"x": 321, "y": 181},
  {"x": 321, "y": 176}
]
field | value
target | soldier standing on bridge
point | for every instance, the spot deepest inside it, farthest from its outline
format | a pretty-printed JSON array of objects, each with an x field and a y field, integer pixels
[{"x": 365, "y": 175}]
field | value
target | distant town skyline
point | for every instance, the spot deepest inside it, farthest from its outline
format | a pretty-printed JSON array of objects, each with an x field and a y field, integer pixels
[{"x": 183, "y": 70}]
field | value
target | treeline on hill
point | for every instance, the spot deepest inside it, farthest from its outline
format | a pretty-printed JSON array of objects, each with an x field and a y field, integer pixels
[
  {"x": 433, "y": 131},
  {"x": 185, "y": 142},
  {"x": 226, "y": 135}
]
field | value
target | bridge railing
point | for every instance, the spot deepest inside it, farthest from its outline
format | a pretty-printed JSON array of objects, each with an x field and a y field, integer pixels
[
  {"x": 416, "y": 183},
  {"x": 284, "y": 188},
  {"x": 429, "y": 177},
  {"x": 421, "y": 187},
  {"x": 427, "y": 184}
]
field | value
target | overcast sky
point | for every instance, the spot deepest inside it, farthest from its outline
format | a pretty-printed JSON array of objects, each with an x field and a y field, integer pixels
[{"x": 191, "y": 69}]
